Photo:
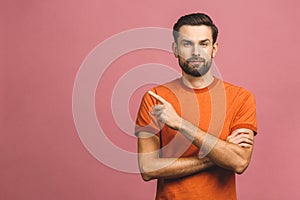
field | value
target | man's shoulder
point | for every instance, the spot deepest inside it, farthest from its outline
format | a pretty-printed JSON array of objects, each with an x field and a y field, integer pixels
[
  {"x": 168, "y": 86},
  {"x": 165, "y": 90},
  {"x": 235, "y": 91}
]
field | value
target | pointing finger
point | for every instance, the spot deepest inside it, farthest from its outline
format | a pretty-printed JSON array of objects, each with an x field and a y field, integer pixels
[{"x": 157, "y": 97}]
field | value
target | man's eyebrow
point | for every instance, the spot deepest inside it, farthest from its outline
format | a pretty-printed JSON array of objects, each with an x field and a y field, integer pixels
[
  {"x": 206, "y": 40},
  {"x": 201, "y": 41},
  {"x": 186, "y": 40}
]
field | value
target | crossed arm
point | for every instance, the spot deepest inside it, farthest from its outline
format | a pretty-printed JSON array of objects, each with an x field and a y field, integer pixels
[{"x": 233, "y": 154}]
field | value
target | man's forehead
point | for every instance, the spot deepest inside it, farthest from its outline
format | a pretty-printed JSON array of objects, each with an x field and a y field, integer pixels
[{"x": 195, "y": 33}]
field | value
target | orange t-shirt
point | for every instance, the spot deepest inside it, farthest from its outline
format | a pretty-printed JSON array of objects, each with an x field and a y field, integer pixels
[{"x": 218, "y": 109}]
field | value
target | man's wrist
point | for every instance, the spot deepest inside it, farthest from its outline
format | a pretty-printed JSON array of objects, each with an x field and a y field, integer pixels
[
  {"x": 178, "y": 124},
  {"x": 187, "y": 129}
]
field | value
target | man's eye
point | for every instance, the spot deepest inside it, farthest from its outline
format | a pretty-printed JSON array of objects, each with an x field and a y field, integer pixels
[
  {"x": 186, "y": 44},
  {"x": 204, "y": 44}
]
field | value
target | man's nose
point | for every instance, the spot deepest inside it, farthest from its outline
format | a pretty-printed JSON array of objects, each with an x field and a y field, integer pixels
[{"x": 196, "y": 50}]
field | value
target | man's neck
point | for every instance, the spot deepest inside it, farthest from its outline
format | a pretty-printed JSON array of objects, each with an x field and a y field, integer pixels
[{"x": 197, "y": 82}]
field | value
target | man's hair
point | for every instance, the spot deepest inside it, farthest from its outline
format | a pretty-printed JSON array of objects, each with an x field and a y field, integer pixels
[{"x": 195, "y": 19}]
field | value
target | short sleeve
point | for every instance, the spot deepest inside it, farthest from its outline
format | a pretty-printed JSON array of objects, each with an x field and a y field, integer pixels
[
  {"x": 145, "y": 122},
  {"x": 246, "y": 112}
]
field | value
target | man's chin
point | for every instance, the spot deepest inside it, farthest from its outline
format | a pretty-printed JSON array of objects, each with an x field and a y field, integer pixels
[
  {"x": 194, "y": 73},
  {"x": 196, "y": 66},
  {"x": 197, "y": 72}
]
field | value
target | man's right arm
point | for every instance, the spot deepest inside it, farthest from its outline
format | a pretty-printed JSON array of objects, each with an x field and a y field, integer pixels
[{"x": 154, "y": 167}]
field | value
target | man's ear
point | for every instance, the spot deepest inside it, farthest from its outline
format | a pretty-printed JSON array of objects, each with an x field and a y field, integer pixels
[
  {"x": 215, "y": 49},
  {"x": 175, "y": 49}
]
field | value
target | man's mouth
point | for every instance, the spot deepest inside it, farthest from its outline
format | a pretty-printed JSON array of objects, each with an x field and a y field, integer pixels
[{"x": 196, "y": 61}]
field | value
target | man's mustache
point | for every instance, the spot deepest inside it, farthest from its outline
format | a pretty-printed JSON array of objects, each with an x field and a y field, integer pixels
[{"x": 196, "y": 59}]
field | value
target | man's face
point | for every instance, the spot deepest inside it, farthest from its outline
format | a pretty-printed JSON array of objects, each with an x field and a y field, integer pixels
[{"x": 195, "y": 49}]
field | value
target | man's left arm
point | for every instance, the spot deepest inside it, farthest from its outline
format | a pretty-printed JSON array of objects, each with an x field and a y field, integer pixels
[{"x": 233, "y": 154}]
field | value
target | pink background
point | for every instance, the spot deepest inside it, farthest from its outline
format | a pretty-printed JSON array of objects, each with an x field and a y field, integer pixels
[{"x": 43, "y": 44}]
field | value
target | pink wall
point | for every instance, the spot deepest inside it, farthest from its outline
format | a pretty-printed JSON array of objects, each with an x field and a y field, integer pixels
[{"x": 43, "y": 44}]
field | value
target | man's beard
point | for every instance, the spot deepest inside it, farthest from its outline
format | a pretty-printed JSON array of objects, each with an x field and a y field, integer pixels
[{"x": 196, "y": 70}]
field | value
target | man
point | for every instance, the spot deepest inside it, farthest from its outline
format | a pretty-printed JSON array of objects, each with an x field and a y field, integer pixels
[{"x": 195, "y": 132}]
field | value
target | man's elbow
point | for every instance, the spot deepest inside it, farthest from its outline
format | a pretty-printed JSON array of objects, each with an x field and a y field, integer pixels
[
  {"x": 241, "y": 166},
  {"x": 146, "y": 173},
  {"x": 146, "y": 177}
]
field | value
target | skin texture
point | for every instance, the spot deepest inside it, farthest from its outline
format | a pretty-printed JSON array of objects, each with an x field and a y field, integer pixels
[
  {"x": 153, "y": 167},
  {"x": 194, "y": 56},
  {"x": 194, "y": 44}
]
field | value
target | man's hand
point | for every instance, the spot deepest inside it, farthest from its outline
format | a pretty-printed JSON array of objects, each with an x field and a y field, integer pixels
[
  {"x": 241, "y": 137},
  {"x": 165, "y": 112}
]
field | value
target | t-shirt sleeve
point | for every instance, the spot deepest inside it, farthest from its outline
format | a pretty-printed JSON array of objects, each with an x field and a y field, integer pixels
[
  {"x": 145, "y": 122},
  {"x": 246, "y": 113}
]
